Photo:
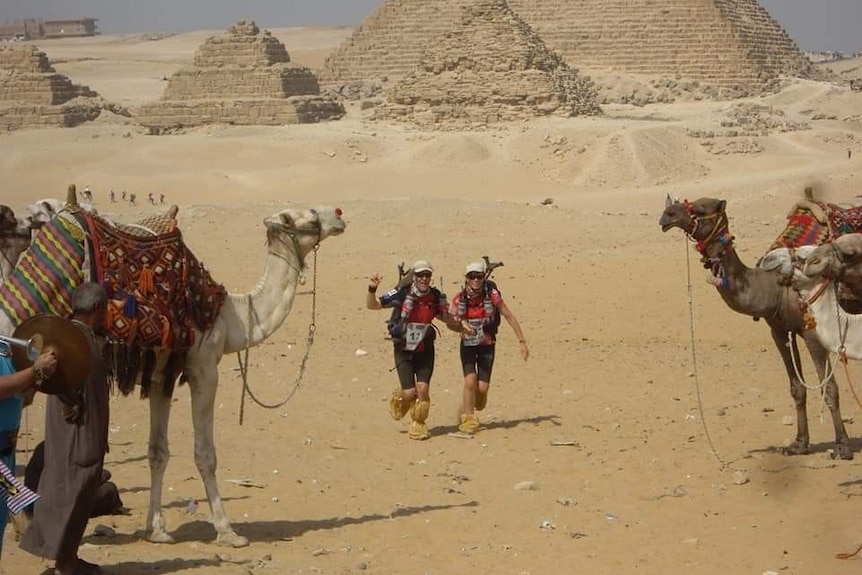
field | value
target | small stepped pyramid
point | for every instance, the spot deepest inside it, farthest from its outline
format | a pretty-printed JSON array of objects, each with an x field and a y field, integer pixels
[
  {"x": 245, "y": 78},
  {"x": 33, "y": 94},
  {"x": 491, "y": 67}
]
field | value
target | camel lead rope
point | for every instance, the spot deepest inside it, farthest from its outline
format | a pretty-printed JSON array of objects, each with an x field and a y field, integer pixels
[
  {"x": 722, "y": 463},
  {"x": 312, "y": 328}
]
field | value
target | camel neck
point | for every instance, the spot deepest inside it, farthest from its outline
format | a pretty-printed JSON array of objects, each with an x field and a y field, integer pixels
[
  {"x": 11, "y": 248},
  {"x": 252, "y": 317}
]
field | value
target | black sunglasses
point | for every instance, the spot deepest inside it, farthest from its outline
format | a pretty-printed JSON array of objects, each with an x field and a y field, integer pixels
[
  {"x": 423, "y": 275},
  {"x": 475, "y": 276}
]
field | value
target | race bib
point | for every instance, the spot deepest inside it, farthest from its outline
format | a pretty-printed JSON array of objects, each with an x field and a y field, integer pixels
[
  {"x": 415, "y": 333},
  {"x": 474, "y": 340}
]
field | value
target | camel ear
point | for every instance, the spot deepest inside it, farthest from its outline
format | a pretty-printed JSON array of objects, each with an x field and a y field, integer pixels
[
  {"x": 847, "y": 251},
  {"x": 668, "y": 202},
  {"x": 721, "y": 205}
]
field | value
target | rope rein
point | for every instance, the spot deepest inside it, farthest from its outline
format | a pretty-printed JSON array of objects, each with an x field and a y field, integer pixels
[
  {"x": 242, "y": 356},
  {"x": 722, "y": 463}
]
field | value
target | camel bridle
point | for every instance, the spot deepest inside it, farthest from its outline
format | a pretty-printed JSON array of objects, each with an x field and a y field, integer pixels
[
  {"x": 718, "y": 242},
  {"x": 289, "y": 237}
]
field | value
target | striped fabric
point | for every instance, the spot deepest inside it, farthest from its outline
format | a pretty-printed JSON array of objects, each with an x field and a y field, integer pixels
[
  {"x": 48, "y": 273},
  {"x": 17, "y": 496}
]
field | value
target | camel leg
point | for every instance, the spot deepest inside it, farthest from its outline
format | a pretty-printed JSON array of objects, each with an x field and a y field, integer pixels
[
  {"x": 158, "y": 453},
  {"x": 203, "y": 384},
  {"x": 797, "y": 391},
  {"x": 842, "y": 450}
]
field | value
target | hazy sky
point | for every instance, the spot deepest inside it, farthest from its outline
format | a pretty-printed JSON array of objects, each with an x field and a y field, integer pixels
[{"x": 813, "y": 24}]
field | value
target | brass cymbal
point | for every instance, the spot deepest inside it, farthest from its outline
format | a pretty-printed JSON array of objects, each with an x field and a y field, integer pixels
[{"x": 68, "y": 342}]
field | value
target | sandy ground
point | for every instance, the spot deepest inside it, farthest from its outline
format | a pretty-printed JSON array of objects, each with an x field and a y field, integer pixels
[{"x": 602, "y": 295}]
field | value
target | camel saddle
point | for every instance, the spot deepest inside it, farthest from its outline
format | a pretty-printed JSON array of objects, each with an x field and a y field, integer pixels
[
  {"x": 158, "y": 290},
  {"x": 811, "y": 222}
]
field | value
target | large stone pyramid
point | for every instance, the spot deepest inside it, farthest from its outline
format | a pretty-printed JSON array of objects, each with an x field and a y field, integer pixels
[
  {"x": 33, "y": 94},
  {"x": 716, "y": 42},
  {"x": 391, "y": 41},
  {"x": 491, "y": 67},
  {"x": 245, "y": 78}
]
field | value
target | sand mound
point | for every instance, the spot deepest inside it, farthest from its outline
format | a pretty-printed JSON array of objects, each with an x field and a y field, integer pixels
[{"x": 453, "y": 149}]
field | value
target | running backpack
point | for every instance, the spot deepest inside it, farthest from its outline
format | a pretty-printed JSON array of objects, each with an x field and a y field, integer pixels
[
  {"x": 396, "y": 325},
  {"x": 493, "y": 324}
]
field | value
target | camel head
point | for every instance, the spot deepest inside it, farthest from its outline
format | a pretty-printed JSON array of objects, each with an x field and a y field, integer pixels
[
  {"x": 698, "y": 219},
  {"x": 8, "y": 221},
  {"x": 303, "y": 228},
  {"x": 46, "y": 210},
  {"x": 12, "y": 226},
  {"x": 837, "y": 259}
]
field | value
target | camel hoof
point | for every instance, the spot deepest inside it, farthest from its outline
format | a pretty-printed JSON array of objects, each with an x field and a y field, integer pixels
[
  {"x": 231, "y": 539},
  {"x": 160, "y": 537},
  {"x": 842, "y": 452},
  {"x": 795, "y": 448}
]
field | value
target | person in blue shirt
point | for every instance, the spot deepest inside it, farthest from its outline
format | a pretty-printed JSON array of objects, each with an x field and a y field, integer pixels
[{"x": 13, "y": 384}]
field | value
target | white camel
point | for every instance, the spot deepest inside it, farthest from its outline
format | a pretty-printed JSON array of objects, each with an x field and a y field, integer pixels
[
  {"x": 837, "y": 330},
  {"x": 43, "y": 211},
  {"x": 244, "y": 321},
  {"x": 840, "y": 259}
]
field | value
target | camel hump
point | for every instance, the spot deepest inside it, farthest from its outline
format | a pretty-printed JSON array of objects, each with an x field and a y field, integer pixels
[{"x": 814, "y": 207}]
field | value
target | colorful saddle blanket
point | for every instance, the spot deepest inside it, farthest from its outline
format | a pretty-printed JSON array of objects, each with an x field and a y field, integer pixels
[
  {"x": 812, "y": 223},
  {"x": 47, "y": 273},
  {"x": 158, "y": 291}
]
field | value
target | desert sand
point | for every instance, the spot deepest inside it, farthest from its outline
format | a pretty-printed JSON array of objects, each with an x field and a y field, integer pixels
[{"x": 603, "y": 296}]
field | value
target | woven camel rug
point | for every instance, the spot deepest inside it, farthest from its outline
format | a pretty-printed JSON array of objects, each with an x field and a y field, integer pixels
[
  {"x": 159, "y": 293},
  {"x": 47, "y": 274},
  {"x": 813, "y": 223}
]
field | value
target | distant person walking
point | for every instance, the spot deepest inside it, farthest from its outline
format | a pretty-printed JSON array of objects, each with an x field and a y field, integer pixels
[
  {"x": 124, "y": 195},
  {"x": 132, "y": 198},
  {"x": 161, "y": 199},
  {"x": 113, "y": 197}
]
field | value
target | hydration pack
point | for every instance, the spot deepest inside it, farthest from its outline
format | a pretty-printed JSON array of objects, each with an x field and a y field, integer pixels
[
  {"x": 491, "y": 312},
  {"x": 396, "y": 324}
]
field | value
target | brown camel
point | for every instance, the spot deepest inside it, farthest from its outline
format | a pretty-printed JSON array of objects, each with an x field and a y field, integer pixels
[
  {"x": 14, "y": 239},
  {"x": 757, "y": 293}
]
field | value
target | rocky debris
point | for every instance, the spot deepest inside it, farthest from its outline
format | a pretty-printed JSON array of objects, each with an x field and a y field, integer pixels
[
  {"x": 357, "y": 90},
  {"x": 490, "y": 68}
]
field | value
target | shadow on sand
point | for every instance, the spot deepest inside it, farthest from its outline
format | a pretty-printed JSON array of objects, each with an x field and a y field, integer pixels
[
  {"x": 282, "y": 530},
  {"x": 269, "y": 531},
  {"x": 507, "y": 424},
  {"x": 813, "y": 449}
]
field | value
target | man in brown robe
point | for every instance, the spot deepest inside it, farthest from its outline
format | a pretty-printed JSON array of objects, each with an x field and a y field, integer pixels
[{"x": 76, "y": 440}]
